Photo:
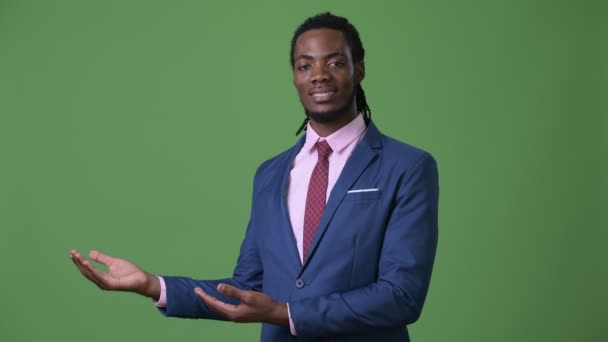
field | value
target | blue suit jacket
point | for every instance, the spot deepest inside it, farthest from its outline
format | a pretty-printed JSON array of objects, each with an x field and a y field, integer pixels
[{"x": 370, "y": 263}]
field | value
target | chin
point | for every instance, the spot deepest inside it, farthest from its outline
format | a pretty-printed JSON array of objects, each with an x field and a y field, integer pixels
[{"x": 331, "y": 114}]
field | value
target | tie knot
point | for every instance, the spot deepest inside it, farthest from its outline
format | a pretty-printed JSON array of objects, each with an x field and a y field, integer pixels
[{"x": 323, "y": 149}]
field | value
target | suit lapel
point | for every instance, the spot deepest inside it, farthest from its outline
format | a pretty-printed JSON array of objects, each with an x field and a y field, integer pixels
[
  {"x": 363, "y": 155},
  {"x": 289, "y": 240}
]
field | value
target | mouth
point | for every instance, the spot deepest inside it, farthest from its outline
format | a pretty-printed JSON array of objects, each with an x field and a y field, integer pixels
[{"x": 324, "y": 95}]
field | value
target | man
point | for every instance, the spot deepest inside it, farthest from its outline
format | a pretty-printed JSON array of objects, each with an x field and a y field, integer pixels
[{"x": 343, "y": 228}]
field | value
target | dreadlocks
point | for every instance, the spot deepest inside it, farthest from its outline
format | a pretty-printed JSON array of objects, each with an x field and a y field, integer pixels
[{"x": 329, "y": 21}]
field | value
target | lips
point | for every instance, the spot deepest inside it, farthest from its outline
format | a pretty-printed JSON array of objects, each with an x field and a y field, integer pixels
[{"x": 323, "y": 95}]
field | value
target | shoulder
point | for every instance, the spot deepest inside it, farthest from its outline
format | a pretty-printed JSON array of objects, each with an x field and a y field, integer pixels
[
  {"x": 410, "y": 166},
  {"x": 271, "y": 170},
  {"x": 404, "y": 154},
  {"x": 397, "y": 154}
]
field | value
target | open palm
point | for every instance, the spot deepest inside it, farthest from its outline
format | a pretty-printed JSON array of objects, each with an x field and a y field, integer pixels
[{"x": 122, "y": 275}]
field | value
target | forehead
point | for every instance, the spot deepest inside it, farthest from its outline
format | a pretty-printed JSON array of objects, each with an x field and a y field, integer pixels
[{"x": 319, "y": 42}]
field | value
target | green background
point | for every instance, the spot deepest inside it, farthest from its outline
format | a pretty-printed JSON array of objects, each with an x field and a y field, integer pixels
[{"x": 135, "y": 127}]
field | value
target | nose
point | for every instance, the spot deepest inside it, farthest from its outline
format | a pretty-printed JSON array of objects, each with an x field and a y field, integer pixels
[{"x": 320, "y": 73}]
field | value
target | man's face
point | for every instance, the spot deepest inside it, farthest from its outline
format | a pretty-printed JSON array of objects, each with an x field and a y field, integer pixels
[{"x": 324, "y": 74}]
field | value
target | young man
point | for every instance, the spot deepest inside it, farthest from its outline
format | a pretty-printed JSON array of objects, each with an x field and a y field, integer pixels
[{"x": 343, "y": 227}]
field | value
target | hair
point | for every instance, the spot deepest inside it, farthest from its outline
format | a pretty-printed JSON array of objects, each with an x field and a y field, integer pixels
[{"x": 329, "y": 21}]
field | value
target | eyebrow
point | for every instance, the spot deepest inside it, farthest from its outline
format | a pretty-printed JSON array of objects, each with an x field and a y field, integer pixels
[{"x": 330, "y": 55}]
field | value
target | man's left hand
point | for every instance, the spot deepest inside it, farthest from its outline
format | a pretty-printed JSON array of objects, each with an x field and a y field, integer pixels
[{"x": 254, "y": 306}]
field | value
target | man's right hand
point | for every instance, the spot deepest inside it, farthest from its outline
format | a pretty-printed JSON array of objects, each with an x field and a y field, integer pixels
[{"x": 122, "y": 275}]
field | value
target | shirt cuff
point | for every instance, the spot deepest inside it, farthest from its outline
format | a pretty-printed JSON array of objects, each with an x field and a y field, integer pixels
[
  {"x": 162, "y": 299},
  {"x": 292, "y": 327}
]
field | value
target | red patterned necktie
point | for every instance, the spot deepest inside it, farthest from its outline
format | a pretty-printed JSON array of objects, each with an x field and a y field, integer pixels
[{"x": 317, "y": 192}]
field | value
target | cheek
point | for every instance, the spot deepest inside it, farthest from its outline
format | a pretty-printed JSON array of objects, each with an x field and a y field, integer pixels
[
  {"x": 300, "y": 87},
  {"x": 349, "y": 82}
]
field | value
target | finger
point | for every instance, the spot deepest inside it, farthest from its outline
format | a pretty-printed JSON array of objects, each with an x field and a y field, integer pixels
[
  {"x": 74, "y": 254},
  {"x": 77, "y": 259},
  {"x": 83, "y": 269},
  {"x": 100, "y": 257},
  {"x": 95, "y": 275},
  {"x": 90, "y": 272},
  {"x": 224, "y": 309},
  {"x": 78, "y": 263},
  {"x": 232, "y": 292}
]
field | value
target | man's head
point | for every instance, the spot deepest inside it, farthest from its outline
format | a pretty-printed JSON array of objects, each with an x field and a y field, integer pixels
[{"x": 327, "y": 58}]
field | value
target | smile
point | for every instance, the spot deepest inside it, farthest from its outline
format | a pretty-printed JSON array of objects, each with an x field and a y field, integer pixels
[{"x": 324, "y": 96}]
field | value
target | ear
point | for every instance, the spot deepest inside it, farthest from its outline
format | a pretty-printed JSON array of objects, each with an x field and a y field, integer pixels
[{"x": 359, "y": 72}]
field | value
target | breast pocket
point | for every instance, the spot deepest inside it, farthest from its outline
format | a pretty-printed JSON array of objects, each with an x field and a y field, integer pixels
[{"x": 363, "y": 195}]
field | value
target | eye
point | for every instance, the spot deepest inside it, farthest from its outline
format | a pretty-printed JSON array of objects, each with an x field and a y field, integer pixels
[
  {"x": 303, "y": 67},
  {"x": 336, "y": 64}
]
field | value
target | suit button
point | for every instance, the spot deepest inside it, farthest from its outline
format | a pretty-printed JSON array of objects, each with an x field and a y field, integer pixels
[{"x": 299, "y": 283}]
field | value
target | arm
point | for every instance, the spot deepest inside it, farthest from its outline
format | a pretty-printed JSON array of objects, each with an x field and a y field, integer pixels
[
  {"x": 406, "y": 261},
  {"x": 123, "y": 275}
]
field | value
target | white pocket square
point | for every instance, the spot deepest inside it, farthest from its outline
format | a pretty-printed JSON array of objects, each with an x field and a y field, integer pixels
[{"x": 362, "y": 190}]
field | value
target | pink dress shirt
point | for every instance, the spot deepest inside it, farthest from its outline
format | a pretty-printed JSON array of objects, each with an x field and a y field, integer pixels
[{"x": 342, "y": 143}]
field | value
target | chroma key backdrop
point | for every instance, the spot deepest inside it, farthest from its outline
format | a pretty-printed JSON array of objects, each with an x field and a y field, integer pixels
[{"x": 135, "y": 127}]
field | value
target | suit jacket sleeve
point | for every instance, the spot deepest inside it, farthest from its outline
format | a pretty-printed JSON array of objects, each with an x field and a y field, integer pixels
[{"x": 405, "y": 266}]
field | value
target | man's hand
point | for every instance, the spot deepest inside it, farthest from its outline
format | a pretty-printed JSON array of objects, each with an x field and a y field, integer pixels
[
  {"x": 254, "y": 306},
  {"x": 122, "y": 275}
]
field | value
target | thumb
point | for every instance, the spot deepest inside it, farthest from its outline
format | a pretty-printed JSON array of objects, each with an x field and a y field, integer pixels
[
  {"x": 231, "y": 291},
  {"x": 100, "y": 257}
]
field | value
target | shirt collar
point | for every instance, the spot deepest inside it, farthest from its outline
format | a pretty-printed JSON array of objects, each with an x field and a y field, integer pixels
[{"x": 339, "y": 139}]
